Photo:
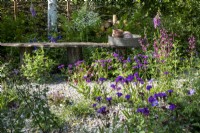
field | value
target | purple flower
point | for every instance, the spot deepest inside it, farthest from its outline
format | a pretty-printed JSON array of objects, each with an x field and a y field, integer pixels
[
  {"x": 128, "y": 59},
  {"x": 78, "y": 63},
  {"x": 113, "y": 86},
  {"x": 170, "y": 92},
  {"x": 102, "y": 110},
  {"x": 153, "y": 101},
  {"x": 144, "y": 111},
  {"x": 191, "y": 92},
  {"x": 136, "y": 75},
  {"x": 192, "y": 43},
  {"x": 166, "y": 73},
  {"x": 32, "y": 10},
  {"x": 119, "y": 79},
  {"x": 94, "y": 105},
  {"x": 70, "y": 66},
  {"x": 109, "y": 99},
  {"x": 115, "y": 54},
  {"x": 148, "y": 87},
  {"x": 156, "y": 21},
  {"x": 128, "y": 97},
  {"x": 160, "y": 95},
  {"x": 98, "y": 98},
  {"x": 130, "y": 78},
  {"x": 102, "y": 79},
  {"x": 119, "y": 88},
  {"x": 61, "y": 66},
  {"x": 172, "y": 106},
  {"x": 119, "y": 94}
]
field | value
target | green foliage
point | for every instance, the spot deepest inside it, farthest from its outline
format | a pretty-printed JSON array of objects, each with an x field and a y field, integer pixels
[
  {"x": 37, "y": 67},
  {"x": 83, "y": 26}
]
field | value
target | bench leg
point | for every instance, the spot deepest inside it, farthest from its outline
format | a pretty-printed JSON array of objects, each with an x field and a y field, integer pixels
[{"x": 74, "y": 54}]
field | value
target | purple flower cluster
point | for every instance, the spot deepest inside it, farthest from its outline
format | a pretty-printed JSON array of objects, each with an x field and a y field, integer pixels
[
  {"x": 54, "y": 39},
  {"x": 61, "y": 66},
  {"x": 144, "y": 111},
  {"x": 153, "y": 101},
  {"x": 78, "y": 63},
  {"x": 128, "y": 97},
  {"x": 104, "y": 62},
  {"x": 192, "y": 44},
  {"x": 102, "y": 79},
  {"x": 119, "y": 94},
  {"x": 172, "y": 106},
  {"x": 191, "y": 92},
  {"x": 144, "y": 43},
  {"x": 102, "y": 110},
  {"x": 163, "y": 45},
  {"x": 156, "y": 21},
  {"x": 32, "y": 10},
  {"x": 141, "y": 61}
]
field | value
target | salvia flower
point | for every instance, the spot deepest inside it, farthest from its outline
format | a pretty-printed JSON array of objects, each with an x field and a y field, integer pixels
[
  {"x": 109, "y": 99},
  {"x": 119, "y": 94},
  {"x": 172, "y": 106},
  {"x": 144, "y": 111},
  {"x": 170, "y": 92},
  {"x": 153, "y": 101},
  {"x": 102, "y": 79},
  {"x": 192, "y": 43},
  {"x": 98, "y": 98},
  {"x": 115, "y": 54},
  {"x": 156, "y": 21},
  {"x": 130, "y": 78},
  {"x": 70, "y": 66},
  {"x": 94, "y": 105},
  {"x": 61, "y": 66},
  {"x": 119, "y": 79},
  {"x": 32, "y": 10},
  {"x": 113, "y": 86},
  {"x": 102, "y": 110},
  {"x": 128, "y": 97},
  {"x": 191, "y": 92},
  {"x": 148, "y": 87}
]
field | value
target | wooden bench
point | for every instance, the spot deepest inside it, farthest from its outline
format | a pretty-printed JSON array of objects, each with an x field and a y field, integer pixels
[{"x": 74, "y": 51}]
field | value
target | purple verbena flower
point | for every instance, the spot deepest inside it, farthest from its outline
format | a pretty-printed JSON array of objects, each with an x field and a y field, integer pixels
[
  {"x": 119, "y": 79},
  {"x": 148, "y": 87},
  {"x": 115, "y": 54},
  {"x": 172, "y": 106},
  {"x": 128, "y": 97},
  {"x": 102, "y": 110},
  {"x": 109, "y": 99},
  {"x": 130, "y": 78},
  {"x": 98, "y": 98},
  {"x": 119, "y": 94},
  {"x": 144, "y": 111},
  {"x": 94, "y": 105},
  {"x": 61, "y": 66},
  {"x": 113, "y": 86},
  {"x": 191, "y": 92},
  {"x": 102, "y": 79},
  {"x": 153, "y": 101}
]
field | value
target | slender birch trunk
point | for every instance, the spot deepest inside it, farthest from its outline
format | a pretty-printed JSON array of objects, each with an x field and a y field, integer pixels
[{"x": 52, "y": 16}]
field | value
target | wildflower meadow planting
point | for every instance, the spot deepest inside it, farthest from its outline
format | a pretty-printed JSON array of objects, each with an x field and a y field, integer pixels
[{"x": 152, "y": 88}]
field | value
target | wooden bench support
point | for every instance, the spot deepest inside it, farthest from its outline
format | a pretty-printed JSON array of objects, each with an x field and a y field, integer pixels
[{"x": 74, "y": 54}]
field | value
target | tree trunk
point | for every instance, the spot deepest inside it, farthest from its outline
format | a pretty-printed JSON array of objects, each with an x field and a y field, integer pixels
[{"x": 52, "y": 16}]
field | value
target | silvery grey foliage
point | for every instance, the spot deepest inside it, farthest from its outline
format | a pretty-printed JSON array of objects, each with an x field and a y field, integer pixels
[{"x": 86, "y": 19}]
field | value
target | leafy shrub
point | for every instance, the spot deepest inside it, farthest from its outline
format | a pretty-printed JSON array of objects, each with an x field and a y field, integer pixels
[{"x": 37, "y": 67}]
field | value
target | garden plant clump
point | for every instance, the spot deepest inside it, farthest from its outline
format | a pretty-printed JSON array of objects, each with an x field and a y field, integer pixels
[{"x": 154, "y": 88}]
